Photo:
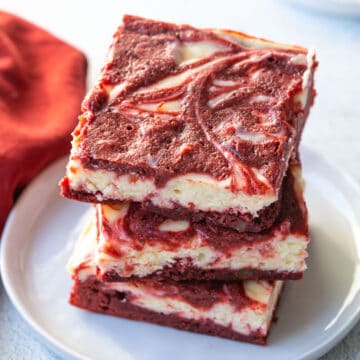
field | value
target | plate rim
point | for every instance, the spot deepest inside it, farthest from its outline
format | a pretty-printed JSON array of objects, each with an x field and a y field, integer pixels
[
  {"x": 49, "y": 340},
  {"x": 66, "y": 351}
]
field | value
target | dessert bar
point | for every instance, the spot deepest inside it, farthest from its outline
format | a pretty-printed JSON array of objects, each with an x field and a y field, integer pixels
[
  {"x": 133, "y": 242},
  {"x": 196, "y": 124}
]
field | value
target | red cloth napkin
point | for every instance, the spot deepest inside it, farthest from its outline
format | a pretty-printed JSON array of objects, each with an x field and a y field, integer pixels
[{"x": 42, "y": 83}]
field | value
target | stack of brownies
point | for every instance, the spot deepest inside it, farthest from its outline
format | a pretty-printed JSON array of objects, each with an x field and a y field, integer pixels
[{"x": 188, "y": 147}]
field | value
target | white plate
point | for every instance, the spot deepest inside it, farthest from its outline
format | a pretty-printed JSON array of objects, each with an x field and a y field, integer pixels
[{"x": 314, "y": 314}]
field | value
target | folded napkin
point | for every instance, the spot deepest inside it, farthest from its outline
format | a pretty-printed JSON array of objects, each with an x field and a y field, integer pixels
[{"x": 42, "y": 83}]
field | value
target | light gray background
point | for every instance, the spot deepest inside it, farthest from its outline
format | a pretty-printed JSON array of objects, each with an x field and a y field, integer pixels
[{"x": 333, "y": 128}]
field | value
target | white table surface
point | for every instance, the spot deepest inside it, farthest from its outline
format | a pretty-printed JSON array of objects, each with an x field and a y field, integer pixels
[{"x": 333, "y": 128}]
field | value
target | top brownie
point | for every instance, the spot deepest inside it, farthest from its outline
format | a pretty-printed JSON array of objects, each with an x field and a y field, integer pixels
[{"x": 204, "y": 121}]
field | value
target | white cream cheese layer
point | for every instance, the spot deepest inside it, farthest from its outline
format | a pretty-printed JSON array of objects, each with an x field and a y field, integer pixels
[
  {"x": 201, "y": 191},
  {"x": 287, "y": 256}
]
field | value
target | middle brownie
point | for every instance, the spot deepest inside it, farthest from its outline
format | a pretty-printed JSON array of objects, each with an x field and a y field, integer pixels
[{"x": 133, "y": 242}]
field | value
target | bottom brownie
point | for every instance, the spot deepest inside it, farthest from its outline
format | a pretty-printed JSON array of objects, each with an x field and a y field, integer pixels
[{"x": 95, "y": 295}]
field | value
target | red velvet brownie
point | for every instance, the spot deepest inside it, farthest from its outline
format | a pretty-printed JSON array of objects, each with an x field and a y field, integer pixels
[
  {"x": 133, "y": 242},
  {"x": 192, "y": 123},
  {"x": 240, "y": 310}
]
